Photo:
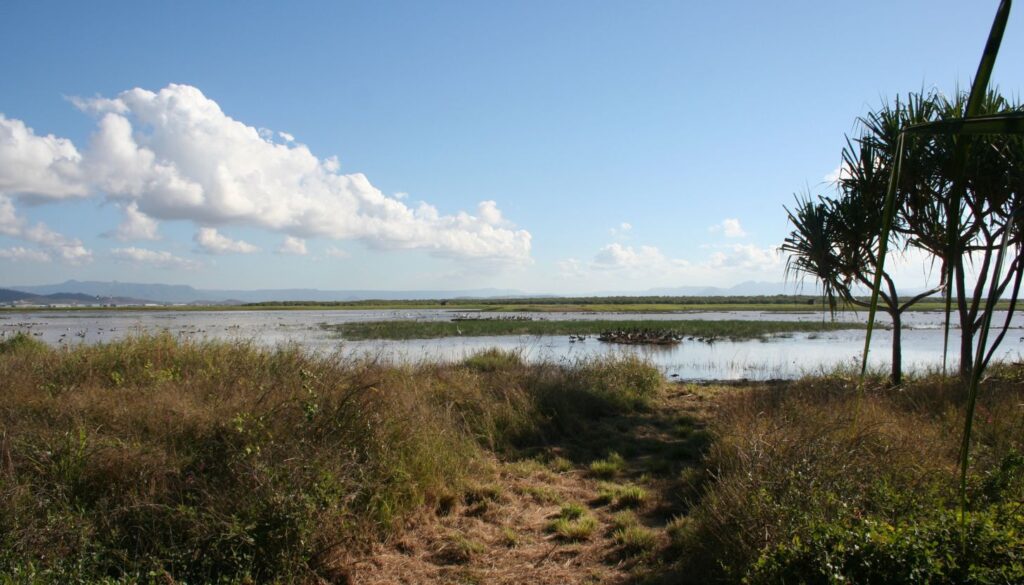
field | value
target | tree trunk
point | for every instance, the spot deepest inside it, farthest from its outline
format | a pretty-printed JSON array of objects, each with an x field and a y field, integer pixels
[
  {"x": 966, "y": 349},
  {"x": 897, "y": 353},
  {"x": 966, "y": 323}
]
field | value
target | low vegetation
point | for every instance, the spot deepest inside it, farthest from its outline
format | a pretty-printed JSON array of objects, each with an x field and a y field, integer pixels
[
  {"x": 707, "y": 330},
  {"x": 155, "y": 460},
  {"x": 817, "y": 482},
  {"x": 158, "y": 460}
]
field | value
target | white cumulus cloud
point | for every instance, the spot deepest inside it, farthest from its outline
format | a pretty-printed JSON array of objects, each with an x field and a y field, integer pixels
[
  {"x": 294, "y": 246},
  {"x": 730, "y": 228},
  {"x": 616, "y": 256},
  {"x": 213, "y": 242},
  {"x": 174, "y": 154},
  {"x": 157, "y": 258},
  {"x": 179, "y": 156},
  {"x": 38, "y": 167},
  {"x": 135, "y": 225},
  {"x": 748, "y": 257}
]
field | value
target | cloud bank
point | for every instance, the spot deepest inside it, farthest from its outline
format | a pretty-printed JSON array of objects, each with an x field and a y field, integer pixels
[{"x": 175, "y": 155}]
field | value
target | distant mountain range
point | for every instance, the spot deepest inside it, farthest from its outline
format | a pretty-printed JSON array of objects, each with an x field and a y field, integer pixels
[
  {"x": 63, "y": 298},
  {"x": 134, "y": 293}
]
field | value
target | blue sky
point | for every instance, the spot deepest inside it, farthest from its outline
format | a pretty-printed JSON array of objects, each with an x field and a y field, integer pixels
[{"x": 543, "y": 146}]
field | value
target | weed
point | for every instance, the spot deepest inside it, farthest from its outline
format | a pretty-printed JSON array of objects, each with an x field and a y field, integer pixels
[
  {"x": 542, "y": 494},
  {"x": 21, "y": 342}
]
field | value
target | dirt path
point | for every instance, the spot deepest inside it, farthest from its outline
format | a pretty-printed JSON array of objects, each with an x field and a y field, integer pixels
[{"x": 614, "y": 512}]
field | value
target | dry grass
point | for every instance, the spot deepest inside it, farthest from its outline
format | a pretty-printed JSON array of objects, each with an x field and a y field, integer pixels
[
  {"x": 220, "y": 462},
  {"x": 792, "y": 460}
]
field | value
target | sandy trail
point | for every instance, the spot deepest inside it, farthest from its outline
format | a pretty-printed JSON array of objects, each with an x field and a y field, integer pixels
[{"x": 499, "y": 530}]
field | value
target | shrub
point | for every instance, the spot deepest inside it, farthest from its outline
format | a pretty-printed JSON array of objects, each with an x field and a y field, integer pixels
[{"x": 928, "y": 550}]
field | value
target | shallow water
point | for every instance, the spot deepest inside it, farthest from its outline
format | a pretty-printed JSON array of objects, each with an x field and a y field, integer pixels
[{"x": 777, "y": 356}]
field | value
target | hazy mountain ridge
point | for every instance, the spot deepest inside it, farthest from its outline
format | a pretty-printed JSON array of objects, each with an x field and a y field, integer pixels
[
  {"x": 180, "y": 293},
  {"x": 72, "y": 298}
]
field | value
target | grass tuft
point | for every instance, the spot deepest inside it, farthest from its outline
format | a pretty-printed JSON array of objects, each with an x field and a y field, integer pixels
[
  {"x": 631, "y": 496},
  {"x": 609, "y": 467},
  {"x": 636, "y": 539},
  {"x": 574, "y": 530}
]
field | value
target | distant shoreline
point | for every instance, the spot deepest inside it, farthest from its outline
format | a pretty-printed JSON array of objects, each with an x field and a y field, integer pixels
[{"x": 568, "y": 305}]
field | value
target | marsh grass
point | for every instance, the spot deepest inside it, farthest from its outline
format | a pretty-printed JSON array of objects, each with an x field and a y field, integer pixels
[
  {"x": 154, "y": 458},
  {"x": 726, "y": 329}
]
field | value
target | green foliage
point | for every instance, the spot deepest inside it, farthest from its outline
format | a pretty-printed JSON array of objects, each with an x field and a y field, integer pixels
[
  {"x": 572, "y": 511},
  {"x": 872, "y": 551},
  {"x": 624, "y": 519},
  {"x": 623, "y": 383}
]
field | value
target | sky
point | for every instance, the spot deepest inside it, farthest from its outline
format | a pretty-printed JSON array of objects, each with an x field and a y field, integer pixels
[{"x": 547, "y": 147}]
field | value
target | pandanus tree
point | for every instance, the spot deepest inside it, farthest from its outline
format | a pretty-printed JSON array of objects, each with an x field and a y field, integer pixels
[
  {"x": 997, "y": 197},
  {"x": 956, "y": 210},
  {"x": 958, "y": 214},
  {"x": 836, "y": 241}
]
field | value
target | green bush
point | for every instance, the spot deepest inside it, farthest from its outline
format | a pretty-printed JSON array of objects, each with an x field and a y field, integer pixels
[{"x": 918, "y": 551}]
